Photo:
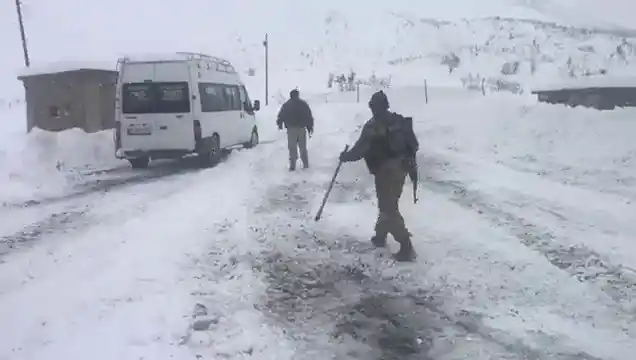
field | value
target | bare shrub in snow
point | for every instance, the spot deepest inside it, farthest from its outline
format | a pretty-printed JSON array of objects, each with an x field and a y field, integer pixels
[{"x": 510, "y": 68}]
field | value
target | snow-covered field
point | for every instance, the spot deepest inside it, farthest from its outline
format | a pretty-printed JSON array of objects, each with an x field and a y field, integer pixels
[{"x": 523, "y": 230}]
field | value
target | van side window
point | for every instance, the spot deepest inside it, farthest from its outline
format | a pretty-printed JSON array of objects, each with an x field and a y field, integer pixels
[
  {"x": 246, "y": 96},
  {"x": 212, "y": 97},
  {"x": 232, "y": 97},
  {"x": 247, "y": 103},
  {"x": 218, "y": 97}
]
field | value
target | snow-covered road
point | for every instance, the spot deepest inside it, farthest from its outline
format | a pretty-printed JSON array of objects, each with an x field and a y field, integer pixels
[{"x": 523, "y": 233}]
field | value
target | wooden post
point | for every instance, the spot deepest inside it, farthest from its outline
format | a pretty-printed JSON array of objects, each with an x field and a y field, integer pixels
[
  {"x": 358, "y": 92},
  {"x": 426, "y": 90},
  {"x": 266, "y": 45}
]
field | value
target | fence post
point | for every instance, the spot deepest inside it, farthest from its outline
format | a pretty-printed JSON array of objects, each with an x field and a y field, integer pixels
[
  {"x": 358, "y": 92},
  {"x": 426, "y": 90},
  {"x": 483, "y": 88}
]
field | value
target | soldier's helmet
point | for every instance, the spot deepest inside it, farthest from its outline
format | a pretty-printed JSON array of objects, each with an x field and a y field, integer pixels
[
  {"x": 379, "y": 101},
  {"x": 294, "y": 94}
]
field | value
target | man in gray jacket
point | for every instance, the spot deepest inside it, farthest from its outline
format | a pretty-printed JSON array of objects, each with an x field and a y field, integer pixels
[{"x": 296, "y": 115}]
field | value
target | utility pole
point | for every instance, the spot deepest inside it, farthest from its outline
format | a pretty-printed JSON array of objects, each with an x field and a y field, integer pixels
[
  {"x": 266, "y": 45},
  {"x": 18, "y": 7}
]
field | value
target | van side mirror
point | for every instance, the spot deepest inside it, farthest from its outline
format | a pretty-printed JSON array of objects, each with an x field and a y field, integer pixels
[{"x": 257, "y": 105}]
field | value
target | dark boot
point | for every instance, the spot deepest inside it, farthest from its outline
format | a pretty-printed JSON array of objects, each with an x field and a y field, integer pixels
[
  {"x": 379, "y": 240},
  {"x": 305, "y": 163},
  {"x": 406, "y": 252},
  {"x": 292, "y": 166}
]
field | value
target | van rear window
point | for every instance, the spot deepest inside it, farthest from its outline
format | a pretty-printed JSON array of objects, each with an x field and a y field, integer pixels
[{"x": 156, "y": 98}]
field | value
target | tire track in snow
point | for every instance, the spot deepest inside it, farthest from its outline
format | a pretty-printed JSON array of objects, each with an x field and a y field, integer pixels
[
  {"x": 332, "y": 294},
  {"x": 103, "y": 181},
  {"x": 57, "y": 222},
  {"x": 623, "y": 185},
  {"x": 76, "y": 213},
  {"x": 582, "y": 263}
]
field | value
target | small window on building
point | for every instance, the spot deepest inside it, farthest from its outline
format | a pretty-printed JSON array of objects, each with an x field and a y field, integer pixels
[{"x": 54, "y": 112}]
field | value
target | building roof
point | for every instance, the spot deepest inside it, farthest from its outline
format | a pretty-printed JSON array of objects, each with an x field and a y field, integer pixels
[
  {"x": 66, "y": 66},
  {"x": 590, "y": 82}
]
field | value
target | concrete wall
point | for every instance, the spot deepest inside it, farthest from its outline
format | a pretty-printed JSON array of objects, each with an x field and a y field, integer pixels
[{"x": 83, "y": 99}]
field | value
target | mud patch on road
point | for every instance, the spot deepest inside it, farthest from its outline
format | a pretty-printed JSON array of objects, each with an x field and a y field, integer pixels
[
  {"x": 54, "y": 223},
  {"x": 286, "y": 198},
  {"x": 356, "y": 190},
  {"x": 346, "y": 303}
]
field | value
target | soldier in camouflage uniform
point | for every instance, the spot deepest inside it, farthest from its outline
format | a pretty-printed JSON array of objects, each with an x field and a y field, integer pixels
[{"x": 387, "y": 144}]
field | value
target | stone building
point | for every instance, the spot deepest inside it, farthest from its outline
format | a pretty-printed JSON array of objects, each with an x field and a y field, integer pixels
[{"x": 64, "y": 97}]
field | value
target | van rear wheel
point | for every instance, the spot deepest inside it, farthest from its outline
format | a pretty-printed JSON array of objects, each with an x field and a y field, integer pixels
[
  {"x": 211, "y": 153},
  {"x": 139, "y": 163}
]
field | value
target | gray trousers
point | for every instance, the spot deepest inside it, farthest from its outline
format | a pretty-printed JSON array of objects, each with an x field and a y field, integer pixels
[{"x": 297, "y": 140}]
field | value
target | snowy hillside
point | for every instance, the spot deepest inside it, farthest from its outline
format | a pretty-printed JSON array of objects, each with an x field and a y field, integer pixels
[{"x": 401, "y": 38}]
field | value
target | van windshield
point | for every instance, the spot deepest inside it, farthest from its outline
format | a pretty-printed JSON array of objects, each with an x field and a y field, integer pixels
[{"x": 156, "y": 98}]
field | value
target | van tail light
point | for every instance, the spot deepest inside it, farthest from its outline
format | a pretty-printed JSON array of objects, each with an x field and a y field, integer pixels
[{"x": 197, "y": 130}]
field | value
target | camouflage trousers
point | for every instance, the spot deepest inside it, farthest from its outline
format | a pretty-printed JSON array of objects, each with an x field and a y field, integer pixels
[
  {"x": 389, "y": 182},
  {"x": 297, "y": 140}
]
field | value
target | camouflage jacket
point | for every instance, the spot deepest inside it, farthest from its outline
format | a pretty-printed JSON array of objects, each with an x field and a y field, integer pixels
[{"x": 386, "y": 137}]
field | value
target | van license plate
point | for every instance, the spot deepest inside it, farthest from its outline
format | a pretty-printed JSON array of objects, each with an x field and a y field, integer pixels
[{"x": 140, "y": 129}]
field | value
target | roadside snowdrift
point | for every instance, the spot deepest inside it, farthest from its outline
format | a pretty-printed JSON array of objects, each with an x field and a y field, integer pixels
[{"x": 42, "y": 164}]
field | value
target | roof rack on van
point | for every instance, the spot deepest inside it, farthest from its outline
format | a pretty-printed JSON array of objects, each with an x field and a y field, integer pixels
[{"x": 200, "y": 56}]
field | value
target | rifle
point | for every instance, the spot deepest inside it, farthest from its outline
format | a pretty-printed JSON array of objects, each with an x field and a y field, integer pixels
[
  {"x": 333, "y": 180},
  {"x": 411, "y": 162},
  {"x": 411, "y": 168}
]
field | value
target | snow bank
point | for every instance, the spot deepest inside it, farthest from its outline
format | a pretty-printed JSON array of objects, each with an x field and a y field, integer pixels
[
  {"x": 510, "y": 128},
  {"x": 42, "y": 163}
]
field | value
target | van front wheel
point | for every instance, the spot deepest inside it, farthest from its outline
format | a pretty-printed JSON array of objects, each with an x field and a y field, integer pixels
[
  {"x": 253, "y": 140},
  {"x": 139, "y": 163}
]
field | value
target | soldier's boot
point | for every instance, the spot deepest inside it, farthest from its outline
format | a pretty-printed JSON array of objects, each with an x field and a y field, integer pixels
[
  {"x": 406, "y": 252},
  {"x": 379, "y": 240},
  {"x": 292, "y": 165},
  {"x": 305, "y": 162}
]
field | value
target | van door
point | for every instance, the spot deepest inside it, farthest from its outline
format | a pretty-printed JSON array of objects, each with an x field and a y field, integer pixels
[
  {"x": 157, "y": 116},
  {"x": 248, "y": 119},
  {"x": 216, "y": 114},
  {"x": 235, "y": 113}
]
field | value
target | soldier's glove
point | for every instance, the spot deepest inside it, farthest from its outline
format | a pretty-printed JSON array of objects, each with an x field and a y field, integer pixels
[
  {"x": 310, "y": 130},
  {"x": 280, "y": 126}
]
